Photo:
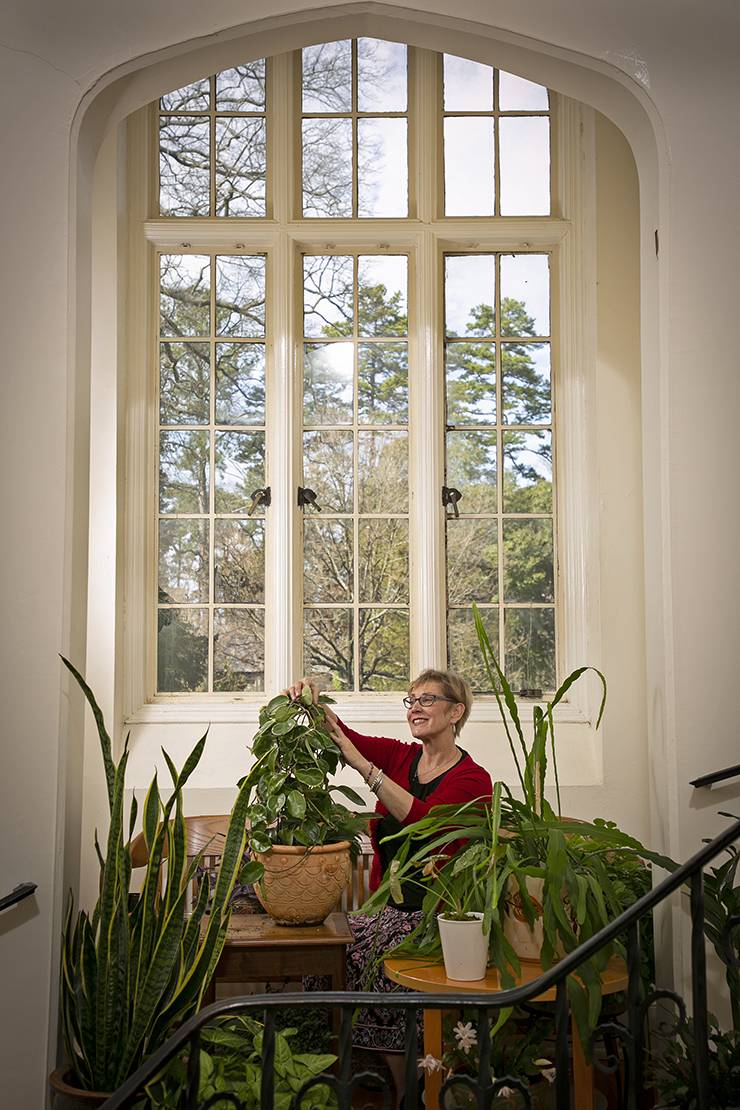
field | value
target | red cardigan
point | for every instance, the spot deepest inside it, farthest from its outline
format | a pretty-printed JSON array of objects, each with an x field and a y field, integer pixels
[{"x": 462, "y": 783}]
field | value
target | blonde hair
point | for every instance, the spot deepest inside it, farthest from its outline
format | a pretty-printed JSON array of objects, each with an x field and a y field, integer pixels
[{"x": 453, "y": 686}]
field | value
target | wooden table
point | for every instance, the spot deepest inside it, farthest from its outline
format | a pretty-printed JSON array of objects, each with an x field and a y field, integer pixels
[
  {"x": 418, "y": 974},
  {"x": 257, "y": 950}
]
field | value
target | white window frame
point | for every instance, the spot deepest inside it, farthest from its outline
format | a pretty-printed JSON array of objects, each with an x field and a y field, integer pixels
[{"x": 569, "y": 234}]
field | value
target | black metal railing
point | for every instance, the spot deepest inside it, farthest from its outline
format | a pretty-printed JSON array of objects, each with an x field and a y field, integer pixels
[
  {"x": 482, "y": 1089},
  {"x": 717, "y": 776},
  {"x": 17, "y": 894}
]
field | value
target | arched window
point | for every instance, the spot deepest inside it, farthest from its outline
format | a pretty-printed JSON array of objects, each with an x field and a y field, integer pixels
[{"x": 354, "y": 257}]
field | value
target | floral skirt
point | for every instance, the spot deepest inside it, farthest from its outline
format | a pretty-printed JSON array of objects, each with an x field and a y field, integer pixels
[{"x": 380, "y": 1028}]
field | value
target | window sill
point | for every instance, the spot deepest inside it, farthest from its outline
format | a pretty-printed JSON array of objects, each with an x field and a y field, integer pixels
[{"x": 381, "y": 709}]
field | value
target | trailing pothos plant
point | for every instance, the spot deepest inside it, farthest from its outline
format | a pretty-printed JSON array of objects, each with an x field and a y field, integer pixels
[
  {"x": 289, "y": 787},
  {"x": 137, "y": 966},
  {"x": 511, "y": 840}
]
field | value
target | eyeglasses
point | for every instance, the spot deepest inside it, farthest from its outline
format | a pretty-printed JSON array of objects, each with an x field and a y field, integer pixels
[{"x": 425, "y": 699}]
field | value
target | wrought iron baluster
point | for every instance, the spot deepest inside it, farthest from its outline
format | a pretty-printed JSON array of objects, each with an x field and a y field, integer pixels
[
  {"x": 344, "y": 1052},
  {"x": 484, "y": 1050},
  {"x": 193, "y": 1081},
  {"x": 634, "y": 1018},
  {"x": 267, "y": 1088},
  {"x": 699, "y": 988},
  {"x": 410, "y": 1082},
  {"x": 562, "y": 1071}
]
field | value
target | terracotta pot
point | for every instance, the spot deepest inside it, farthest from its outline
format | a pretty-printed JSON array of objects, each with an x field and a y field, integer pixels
[
  {"x": 68, "y": 1097},
  {"x": 302, "y": 885},
  {"x": 464, "y": 947}
]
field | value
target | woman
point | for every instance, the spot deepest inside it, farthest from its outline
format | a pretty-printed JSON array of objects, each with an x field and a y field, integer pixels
[{"x": 408, "y": 779}]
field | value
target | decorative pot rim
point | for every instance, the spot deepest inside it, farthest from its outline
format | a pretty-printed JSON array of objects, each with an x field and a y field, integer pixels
[
  {"x": 474, "y": 917},
  {"x": 59, "y": 1080},
  {"x": 301, "y": 849}
]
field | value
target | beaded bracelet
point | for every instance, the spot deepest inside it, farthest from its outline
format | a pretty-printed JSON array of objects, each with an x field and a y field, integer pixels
[{"x": 369, "y": 775}]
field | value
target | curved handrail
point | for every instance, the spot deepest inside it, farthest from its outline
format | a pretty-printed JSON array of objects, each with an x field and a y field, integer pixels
[
  {"x": 17, "y": 894},
  {"x": 403, "y": 1001},
  {"x": 716, "y": 776}
]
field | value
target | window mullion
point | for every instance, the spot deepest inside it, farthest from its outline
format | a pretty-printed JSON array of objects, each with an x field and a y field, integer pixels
[{"x": 426, "y": 460}]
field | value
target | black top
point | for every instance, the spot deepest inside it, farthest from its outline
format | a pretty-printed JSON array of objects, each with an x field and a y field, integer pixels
[{"x": 413, "y": 894}]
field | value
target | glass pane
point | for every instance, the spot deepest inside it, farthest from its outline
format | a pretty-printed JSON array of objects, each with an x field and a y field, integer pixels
[
  {"x": 240, "y": 469},
  {"x": 183, "y": 472},
  {"x": 516, "y": 94},
  {"x": 472, "y": 561},
  {"x": 328, "y": 562},
  {"x": 384, "y": 561},
  {"x": 182, "y": 650},
  {"x": 327, "y": 167},
  {"x": 470, "y": 184},
  {"x": 239, "y": 561},
  {"x": 470, "y": 294},
  {"x": 190, "y": 98},
  {"x": 328, "y": 470},
  {"x": 327, "y": 77},
  {"x": 471, "y": 383},
  {"x": 384, "y": 649},
  {"x": 530, "y": 649},
  {"x": 382, "y": 383},
  {"x": 241, "y": 166},
  {"x": 524, "y": 153},
  {"x": 184, "y": 383},
  {"x": 242, "y": 89},
  {"x": 468, "y": 86},
  {"x": 238, "y": 649},
  {"x": 463, "y": 651},
  {"x": 240, "y": 295},
  {"x": 525, "y": 294},
  {"x": 381, "y": 76},
  {"x": 382, "y": 168},
  {"x": 382, "y": 282},
  {"x": 382, "y": 472},
  {"x": 240, "y": 383},
  {"x": 327, "y": 647},
  {"x": 471, "y": 468},
  {"x": 328, "y": 381},
  {"x": 527, "y": 472},
  {"x": 185, "y": 294},
  {"x": 526, "y": 383},
  {"x": 184, "y": 166},
  {"x": 183, "y": 561},
  {"x": 327, "y": 294},
  {"x": 528, "y": 560}
]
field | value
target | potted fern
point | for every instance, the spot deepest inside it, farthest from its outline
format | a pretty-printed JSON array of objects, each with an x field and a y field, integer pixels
[
  {"x": 133, "y": 968},
  {"x": 301, "y": 838}
]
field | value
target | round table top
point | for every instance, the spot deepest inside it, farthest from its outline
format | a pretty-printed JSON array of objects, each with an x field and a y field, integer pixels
[{"x": 423, "y": 974}]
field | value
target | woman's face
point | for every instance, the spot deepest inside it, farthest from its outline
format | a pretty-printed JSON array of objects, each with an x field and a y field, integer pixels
[{"x": 430, "y": 721}]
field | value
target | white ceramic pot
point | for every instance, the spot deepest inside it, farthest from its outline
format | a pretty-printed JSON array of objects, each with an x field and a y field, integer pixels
[{"x": 464, "y": 947}]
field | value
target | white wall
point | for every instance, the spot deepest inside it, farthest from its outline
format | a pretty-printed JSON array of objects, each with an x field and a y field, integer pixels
[{"x": 668, "y": 77}]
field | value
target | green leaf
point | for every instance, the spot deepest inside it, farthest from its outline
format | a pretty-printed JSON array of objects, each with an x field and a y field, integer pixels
[
  {"x": 280, "y": 700},
  {"x": 296, "y": 804},
  {"x": 105, "y": 742},
  {"x": 307, "y": 695},
  {"x": 282, "y": 728},
  {"x": 352, "y": 795},
  {"x": 310, "y": 776}
]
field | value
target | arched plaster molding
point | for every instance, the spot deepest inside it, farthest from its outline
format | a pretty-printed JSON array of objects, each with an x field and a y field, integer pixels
[{"x": 603, "y": 86}]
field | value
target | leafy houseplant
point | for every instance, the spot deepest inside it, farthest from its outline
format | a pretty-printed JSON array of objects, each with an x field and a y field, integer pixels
[
  {"x": 674, "y": 1076},
  {"x": 294, "y": 822},
  {"x": 134, "y": 968},
  {"x": 721, "y": 910},
  {"x": 512, "y": 841},
  {"x": 231, "y": 1063}
]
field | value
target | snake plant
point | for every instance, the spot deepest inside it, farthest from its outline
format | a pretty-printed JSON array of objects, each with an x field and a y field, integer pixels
[{"x": 135, "y": 967}]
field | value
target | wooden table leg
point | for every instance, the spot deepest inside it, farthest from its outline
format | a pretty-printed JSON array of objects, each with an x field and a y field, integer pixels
[
  {"x": 432, "y": 1047},
  {"x": 583, "y": 1073}
]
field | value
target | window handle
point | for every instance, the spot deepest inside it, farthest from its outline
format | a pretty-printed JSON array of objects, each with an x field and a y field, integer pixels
[
  {"x": 307, "y": 496},
  {"x": 451, "y": 496},
  {"x": 259, "y": 497}
]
